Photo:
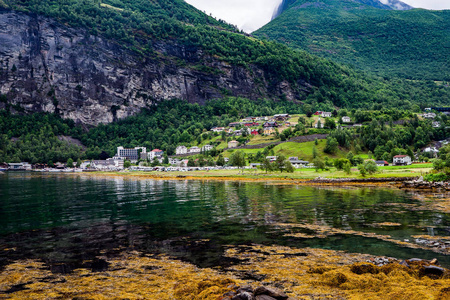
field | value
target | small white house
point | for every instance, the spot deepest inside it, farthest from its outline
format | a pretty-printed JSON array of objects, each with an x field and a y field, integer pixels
[
  {"x": 207, "y": 148},
  {"x": 218, "y": 129},
  {"x": 381, "y": 163},
  {"x": 326, "y": 114},
  {"x": 296, "y": 163},
  {"x": 401, "y": 160},
  {"x": 346, "y": 119},
  {"x": 181, "y": 150},
  {"x": 194, "y": 149}
]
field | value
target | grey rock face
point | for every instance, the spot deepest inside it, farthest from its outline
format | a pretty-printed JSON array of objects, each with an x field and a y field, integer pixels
[{"x": 48, "y": 67}]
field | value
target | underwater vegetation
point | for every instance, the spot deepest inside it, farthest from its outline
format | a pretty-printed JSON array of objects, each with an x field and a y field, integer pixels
[{"x": 301, "y": 273}]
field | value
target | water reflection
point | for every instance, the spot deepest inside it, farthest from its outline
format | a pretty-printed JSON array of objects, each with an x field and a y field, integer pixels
[{"x": 76, "y": 214}]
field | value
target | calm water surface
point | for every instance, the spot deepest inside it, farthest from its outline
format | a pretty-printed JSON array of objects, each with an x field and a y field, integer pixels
[{"x": 71, "y": 218}]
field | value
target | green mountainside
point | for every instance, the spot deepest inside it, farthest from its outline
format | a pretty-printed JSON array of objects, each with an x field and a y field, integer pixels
[
  {"x": 140, "y": 26},
  {"x": 413, "y": 44}
]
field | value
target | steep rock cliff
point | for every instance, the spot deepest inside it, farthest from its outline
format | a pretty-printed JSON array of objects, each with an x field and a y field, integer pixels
[{"x": 47, "y": 66}]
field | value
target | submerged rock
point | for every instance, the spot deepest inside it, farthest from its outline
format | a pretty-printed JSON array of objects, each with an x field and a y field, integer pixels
[
  {"x": 260, "y": 293},
  {"x": 272, "y": 292}
]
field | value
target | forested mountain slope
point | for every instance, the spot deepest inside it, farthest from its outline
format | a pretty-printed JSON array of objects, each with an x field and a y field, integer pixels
[
  {"x": 412, "y": 44},
  {"x": 99, "y": 61}
]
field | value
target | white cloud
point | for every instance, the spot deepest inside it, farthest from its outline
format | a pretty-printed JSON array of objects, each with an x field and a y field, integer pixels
[
  {"x": 429, "y": 4},
  {"x": 250, "y": 15}
]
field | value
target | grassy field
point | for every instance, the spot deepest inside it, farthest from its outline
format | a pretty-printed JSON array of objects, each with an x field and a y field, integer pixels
[
  {"x": 263, "y": 139},
  {"x": 306, "y": 173}
]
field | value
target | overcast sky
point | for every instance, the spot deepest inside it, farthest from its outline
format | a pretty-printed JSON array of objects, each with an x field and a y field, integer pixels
[
  {"x": 250, "y": 15},
  {"x": 429, "y": 4}
]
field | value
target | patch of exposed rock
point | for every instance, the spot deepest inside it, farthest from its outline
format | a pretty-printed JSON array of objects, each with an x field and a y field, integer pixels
[{"x": 46, "y": 66}]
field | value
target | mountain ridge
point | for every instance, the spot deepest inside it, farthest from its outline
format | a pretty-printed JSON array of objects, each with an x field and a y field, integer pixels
[
  {"x": 402, "y": 43},
  {"x": 390, "y": 4},
  {"x": 96, "y": 62}
]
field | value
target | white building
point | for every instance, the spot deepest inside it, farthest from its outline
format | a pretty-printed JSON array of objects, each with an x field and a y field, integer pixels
[
  {"x": 23, "y": 166},
  {"x": 381, "y": 163},
  {"x": 194, "y": 149},
  {"x": 346, "y": 119},
  {"x": 401, "y": 160},
  {"x": 218, "y": 129},
  {"x": 181, "y": 150},
  {"x": 130, "y": 154},
  {"x": 207, "y": 148},
  {"x": 296, "y": 163},
  {"x": 429, "y": 115},
  {"x": 111, "y": 164},
  {"x": 281, "y": 117},
  {"x": 326, "y": 114},
  {"x": 118, "y": 162},
  {"x": 155, "y": 153},
  {"x": 175, "y": 162},
  {"x": 233, "y": 144}
]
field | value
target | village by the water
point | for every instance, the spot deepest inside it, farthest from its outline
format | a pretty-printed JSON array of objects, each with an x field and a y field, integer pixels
[{"x": 269, "y": 127}]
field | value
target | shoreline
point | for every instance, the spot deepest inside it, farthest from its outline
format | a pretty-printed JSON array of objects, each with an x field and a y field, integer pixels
[
  {"x": 248, "y": 177},
  {"x": 398, "y": 182}
]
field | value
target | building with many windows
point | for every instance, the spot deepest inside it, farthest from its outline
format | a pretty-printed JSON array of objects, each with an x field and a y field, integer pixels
[
  {"x": 194, "y": 149},
  {"x": 130, "y": 154},
  {"x": 181, "y": 150}
]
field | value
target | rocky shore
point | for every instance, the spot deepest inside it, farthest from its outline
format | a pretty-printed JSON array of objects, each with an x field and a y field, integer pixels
[{"x": 419, "y": 183}]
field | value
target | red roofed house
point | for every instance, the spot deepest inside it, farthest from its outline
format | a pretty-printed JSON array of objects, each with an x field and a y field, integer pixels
[
  {"x": 401, "y": 160},
  {"x": 155, "y": 153}
]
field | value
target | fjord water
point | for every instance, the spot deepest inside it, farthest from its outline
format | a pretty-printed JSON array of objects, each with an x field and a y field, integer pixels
[{"x": 71, "y": 218}]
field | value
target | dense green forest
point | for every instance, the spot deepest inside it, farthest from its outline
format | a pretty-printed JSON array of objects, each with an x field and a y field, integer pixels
[
  {"x": 34, "y": 138},
  {"x": 138, "y": 24},
  {"x": 385, "y": 139},
  {"x": 37, "y": 138},
  {"x": 411, "y": 44}
]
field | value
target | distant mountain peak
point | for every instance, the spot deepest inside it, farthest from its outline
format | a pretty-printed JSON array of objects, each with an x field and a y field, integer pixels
[
  {"x": 381, "y": 4},
  {"x": 396, "y": 4}
]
